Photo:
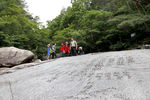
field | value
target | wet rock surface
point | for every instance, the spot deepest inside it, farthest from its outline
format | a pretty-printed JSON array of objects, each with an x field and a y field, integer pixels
[
  {"x": 11, "y": 56},
  {"x": 121, "y": 75}
]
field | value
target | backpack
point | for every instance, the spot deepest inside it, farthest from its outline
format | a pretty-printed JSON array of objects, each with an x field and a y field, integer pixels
[{"x": 50, "y": 51}]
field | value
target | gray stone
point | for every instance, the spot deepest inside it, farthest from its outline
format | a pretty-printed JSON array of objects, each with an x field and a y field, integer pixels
[
  {"x": 44, "y": 58},
  {"x": 36, "y": 60},
  {"x": 11, "y": 56},
  {"x": 58, "y": 55},
  {"x": 3, "y": 68},
  {"x": 102, "y": 76}
]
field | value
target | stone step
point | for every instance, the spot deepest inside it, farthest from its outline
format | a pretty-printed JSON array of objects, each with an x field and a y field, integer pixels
[{"x": 3, "y": 68}]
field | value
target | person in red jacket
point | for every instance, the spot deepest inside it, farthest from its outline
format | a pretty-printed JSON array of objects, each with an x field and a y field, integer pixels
[
  {"x": 62, "y": 50},
  {"x": 67, "y": 49}
]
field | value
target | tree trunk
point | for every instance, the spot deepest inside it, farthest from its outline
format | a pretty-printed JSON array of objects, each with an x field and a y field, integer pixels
[
  {"x": 142, "y": 7},
  {"x": 128, "y": 5},
  {"x": 94, "y": 42},
  {"x": 89, "y": 46},
  {"x": 140, "y": 14}
]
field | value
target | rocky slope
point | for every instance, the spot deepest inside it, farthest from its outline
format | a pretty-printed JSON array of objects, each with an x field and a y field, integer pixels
[{"x": 121, "y": 75}]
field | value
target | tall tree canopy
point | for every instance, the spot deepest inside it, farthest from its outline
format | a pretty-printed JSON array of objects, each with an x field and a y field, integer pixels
[
  {"x": 103, "y": 25},
  {"x": 97, "y": 25},
  {"x": 18, "y": 27}
]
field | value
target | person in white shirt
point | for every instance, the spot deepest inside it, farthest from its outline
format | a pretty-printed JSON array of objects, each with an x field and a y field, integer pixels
[
  {"x": 73, "y": 47},
  {"x": 54, "y": 51}
]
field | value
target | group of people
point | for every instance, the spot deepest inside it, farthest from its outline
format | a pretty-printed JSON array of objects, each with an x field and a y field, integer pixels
[{"x": 65, "y": 49}]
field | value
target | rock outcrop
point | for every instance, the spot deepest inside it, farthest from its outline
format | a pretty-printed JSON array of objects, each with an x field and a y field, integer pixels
[
  {"x": 121, "y": 75},
  {"x": 11, "y": 56}
]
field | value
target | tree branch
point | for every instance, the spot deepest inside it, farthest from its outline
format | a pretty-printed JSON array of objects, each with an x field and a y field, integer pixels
[{"x": 140, "y": 14}]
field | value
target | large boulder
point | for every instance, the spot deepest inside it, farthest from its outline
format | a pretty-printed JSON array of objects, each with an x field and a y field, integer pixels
[{"x": 11, "y": 56}]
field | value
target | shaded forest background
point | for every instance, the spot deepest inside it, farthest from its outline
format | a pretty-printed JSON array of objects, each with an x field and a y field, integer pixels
[{"x": 97, "y": 25}]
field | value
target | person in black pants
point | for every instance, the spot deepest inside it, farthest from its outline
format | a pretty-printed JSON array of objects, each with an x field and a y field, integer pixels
[
  {"x": 54, "y": 54},
  {"x": 73, "y": 50},
  {"x": 54, "y": 49},
  {"x": 73, "y": 47}
]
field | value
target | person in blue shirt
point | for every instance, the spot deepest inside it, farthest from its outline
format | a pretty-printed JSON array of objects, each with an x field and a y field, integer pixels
[{"x": 48, "y": 54}]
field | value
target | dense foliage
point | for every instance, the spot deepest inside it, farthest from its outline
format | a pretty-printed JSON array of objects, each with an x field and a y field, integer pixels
[
  {"x": 97, "y": 25},
  {"x": 18, "y": 28},
  {"x": 103, "y": 25}
]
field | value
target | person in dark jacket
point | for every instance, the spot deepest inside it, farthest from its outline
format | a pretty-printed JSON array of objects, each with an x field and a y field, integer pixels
[{"x": 80, "y": 51}]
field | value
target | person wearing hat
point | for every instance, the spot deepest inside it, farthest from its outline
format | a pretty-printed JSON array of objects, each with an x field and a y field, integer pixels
[
  {"x": 80, "y": 51},
  {"x": 66, "y": 49},
  {"x": 48, "y": 54}
]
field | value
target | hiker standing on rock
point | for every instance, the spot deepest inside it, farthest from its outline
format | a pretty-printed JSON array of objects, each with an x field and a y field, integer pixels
[
  {"x": 67, "y": 50},
  {"x": 48, "y": 54},
  {"x": 73, "y": 47},
  {"x": 54, "y": 50},
  {"x": 62, "y": 50}
]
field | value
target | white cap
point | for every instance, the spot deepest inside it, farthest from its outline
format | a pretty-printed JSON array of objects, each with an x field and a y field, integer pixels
[
  {"x": 48, "y": 44},
  {"x": 80, "y": 48}
]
